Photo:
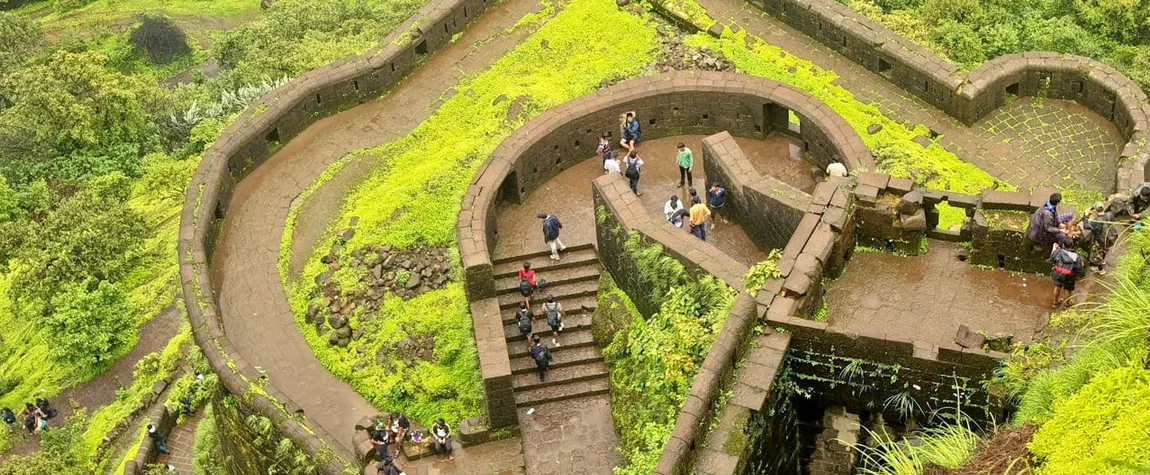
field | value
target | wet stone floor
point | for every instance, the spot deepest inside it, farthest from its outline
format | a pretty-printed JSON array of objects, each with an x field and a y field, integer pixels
[
  {"x": 568, "y": 195},
  {"x": 926, "y": 298}
]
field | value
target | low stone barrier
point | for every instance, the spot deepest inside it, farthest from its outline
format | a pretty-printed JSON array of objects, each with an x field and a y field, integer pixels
[
  {"x": 260, "y": 130},
  {"x": 164, "y": 420},
  {"x": 969, "y": 97}
]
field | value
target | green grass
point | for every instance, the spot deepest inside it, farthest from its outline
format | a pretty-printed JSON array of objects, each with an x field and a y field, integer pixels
[
  {"x": 130, "y": 454},
  {"x": 949, "y": 446},
  {"x": 105, "y": 13},
  {"x": 429, "y": 171},
  {"x": 898, "y": 155}
]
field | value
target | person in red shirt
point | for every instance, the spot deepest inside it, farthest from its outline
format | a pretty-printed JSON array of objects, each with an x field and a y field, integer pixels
[{"x": 527, "y": 283}]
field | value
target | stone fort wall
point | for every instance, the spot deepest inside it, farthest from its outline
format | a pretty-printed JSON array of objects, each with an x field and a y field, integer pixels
[
  {"x": 247, "y": 142},
  {"x": 969, "y": 97}
]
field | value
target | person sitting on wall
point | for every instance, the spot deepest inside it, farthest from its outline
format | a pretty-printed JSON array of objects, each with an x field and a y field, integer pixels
[
  {"x": 1044, "y": 229},
  {"x": 631, "y": 135},
  {"x": 837, "y": 169}
]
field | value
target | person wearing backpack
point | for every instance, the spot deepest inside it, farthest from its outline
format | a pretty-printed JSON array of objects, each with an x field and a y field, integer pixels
[
  {"x": 551, "y": 227},
  {"x": 1068, "y": 268},
  {"x": 527, "y": 284},
  {"x": 554, "y": 312},
  {"x": 8, "y": 417},
  {"x": 525, "y": 319},
  {"x": 632, "y": 169},
  {"x": 630, "y": 132},
  {"x": 542, "y": 356}
]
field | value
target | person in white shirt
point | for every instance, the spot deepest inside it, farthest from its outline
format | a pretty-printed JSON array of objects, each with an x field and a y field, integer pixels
[
  {"x": 610, "y": 164},
  {"x": 836, "y": 169},
  {"x": 672, "y": 205}
]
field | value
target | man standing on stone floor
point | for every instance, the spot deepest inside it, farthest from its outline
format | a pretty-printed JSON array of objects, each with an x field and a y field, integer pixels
[
  {"x": 699, "y": 215},
  {"x": 551, "y": 227},
  {"x": 716, "y": 197},
  {"x": 686, "y": 161}
]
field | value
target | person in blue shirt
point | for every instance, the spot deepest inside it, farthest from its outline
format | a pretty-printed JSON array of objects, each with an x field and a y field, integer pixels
[
  {"x": 631, "y": 137},
  {"x": 716, "y": 197}
]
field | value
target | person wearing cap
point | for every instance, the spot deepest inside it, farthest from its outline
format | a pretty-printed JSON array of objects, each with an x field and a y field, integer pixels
[
  {"x": 686, "y": 162},
  {"x": 1139, "y": 201},
  {"x": 161, "y": 444},
  {"x": 1044, "y": 229}
]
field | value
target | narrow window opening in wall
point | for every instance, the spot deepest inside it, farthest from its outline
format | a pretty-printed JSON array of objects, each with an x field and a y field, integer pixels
[
  {"x": 844, "y": 41},
  {"x": 576, "y": 144},
  {"x": 1012, "y": 89},
  {"x": 454, "y": 23},
  {"x": 1001, "y": 261},
  {"x": 651, "y": 122},
  {"x": 933, "y": 133},
  {"x": 421, "y": 48},
  {"x": 393, "y": 67},
  {"x": 759, "y": 128},
  {"x": 558, "y": 160},
  {"x": 355, "y": 84},
  {"x": 274, "y": 135},
  {"x": 675, "y": 108},
  {"x": 883, "y": 67},
  {"x": 464, "y": 12},
  {"x": 556, "y": 147},
  {"x": 219, "y": 210},
  {"x": 535, "y": 170},
  {"x": 706, "y": 116},
  {"x": 446, "y": 29},
  {"x": 820, "y": 26},
  {"x": 925, "y": 85},
  {"x": 1081, "y": 86},
  {"x": 318, "y": 100}
]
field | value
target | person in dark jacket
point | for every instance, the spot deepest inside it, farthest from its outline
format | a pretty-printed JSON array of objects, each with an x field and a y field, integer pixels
[
  {"x": 631, "y": 137},
  {"x": 1068, "y": 268},
  {"x": 542, "y": 356},
  {"x": 1044, "y": 230},
  {"x": 158, "y": 438},
  {"x": 551, "y": 227},
  {"x": 1139, "y": 201}
]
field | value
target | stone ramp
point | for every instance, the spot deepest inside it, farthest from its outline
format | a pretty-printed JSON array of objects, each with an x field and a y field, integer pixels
[{"x": 181, "y": 443}]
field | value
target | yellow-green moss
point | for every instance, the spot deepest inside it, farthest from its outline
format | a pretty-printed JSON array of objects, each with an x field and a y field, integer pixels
[{"x": 415, "y": 196}]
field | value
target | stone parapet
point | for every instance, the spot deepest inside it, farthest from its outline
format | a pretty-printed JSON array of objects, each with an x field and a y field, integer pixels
[
  {"x": 260, "y": 129},
  {"x": 969, "y": 97}
]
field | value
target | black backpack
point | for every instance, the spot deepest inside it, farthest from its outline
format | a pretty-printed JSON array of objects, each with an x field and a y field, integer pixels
[
  {"x": 525, "y": 287},
  {"x": 525, "y": 321},
  {"x": 7, "y": 415},
  {"x": 632, "y": 169},
  {"x": 553, "y": 315},
  {"x": 541, "y": 354}
]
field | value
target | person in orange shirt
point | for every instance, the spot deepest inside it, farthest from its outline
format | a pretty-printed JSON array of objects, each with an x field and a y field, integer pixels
[{"x": 699, "y": 216}]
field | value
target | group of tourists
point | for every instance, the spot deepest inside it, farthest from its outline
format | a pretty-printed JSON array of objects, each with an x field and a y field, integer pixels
[
  {"x": 694, "y": 212},
  {"x": 395, "y": 430},
  {"x": 1093, "y": 232},
  {"x": 34, "y": 419},
  {"x": 525, "y": 319}
]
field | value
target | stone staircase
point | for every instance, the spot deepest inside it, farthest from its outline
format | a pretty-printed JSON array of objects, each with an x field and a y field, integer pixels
[{"x": 577, "y": 369}]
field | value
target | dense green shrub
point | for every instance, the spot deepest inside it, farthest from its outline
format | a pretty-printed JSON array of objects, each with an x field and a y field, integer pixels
[
  {"x": 159, "y": 38},
  {"x": 299, "y": 35},
  {"x": 206, "y": 448},
  {"x": 89, "y": 325},
  {"x": 20, "y": 37}
]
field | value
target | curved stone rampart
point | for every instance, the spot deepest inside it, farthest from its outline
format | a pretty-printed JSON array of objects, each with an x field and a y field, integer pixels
[
  {"x": 969, "y": 97},
  {"x": 248, "y": 141},
  {"x": 668, "y": 104}
]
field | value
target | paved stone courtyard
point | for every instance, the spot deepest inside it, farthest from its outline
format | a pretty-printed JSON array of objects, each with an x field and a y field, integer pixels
[{"x": 927, "y": 297}]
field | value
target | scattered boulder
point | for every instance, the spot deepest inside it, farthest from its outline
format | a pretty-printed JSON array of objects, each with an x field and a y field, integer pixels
[
  {"x": 968, "y": 339},
  {"x": 910, "y": 203}
]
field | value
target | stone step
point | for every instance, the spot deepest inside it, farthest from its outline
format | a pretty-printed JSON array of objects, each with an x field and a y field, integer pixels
[
  {"x": 569, "y": 258},
  {"x": 562, "y": 392},
  {"x": 571, "y": 306},
  {"x": 570, "y": 340},
  {"x": 527, "y": 257},
  {"x": 571, "y": 324},
  {"x": 557, "y": 376},
  {"x": 561, "y": 292},
  {"x": 510, "y": 285},
  {"x": 561, "y": 356}
]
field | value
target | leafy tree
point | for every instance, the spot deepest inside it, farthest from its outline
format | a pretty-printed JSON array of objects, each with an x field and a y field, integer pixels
[
  {"x": 1061, "y": 34},
  {"x": 1122, "y": 20},
  {"x": 88, "y": 325},
  {"x": 1000, "y": 39},
  {"x": 92, "y": 235},
  {"x": 966, "y": 12},
  {"x": 71, "y": 102},
  {"x": 20, "y": 37},
  {"x": 40, "y": 463},
  {"x": 959, "y": 42}
]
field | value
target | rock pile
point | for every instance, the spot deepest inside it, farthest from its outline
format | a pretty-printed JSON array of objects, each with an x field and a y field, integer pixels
[
  {"x": 679, "y": 57},
  {"x": 405, "y": 273}
]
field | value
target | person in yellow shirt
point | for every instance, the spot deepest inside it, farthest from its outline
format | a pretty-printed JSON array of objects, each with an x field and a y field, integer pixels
[{"x": 699, "y": 216}]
